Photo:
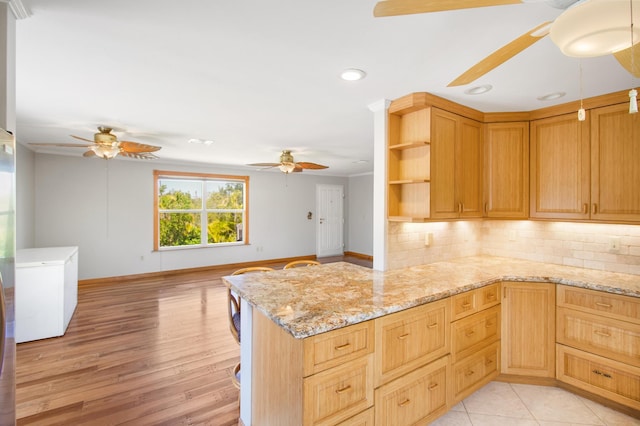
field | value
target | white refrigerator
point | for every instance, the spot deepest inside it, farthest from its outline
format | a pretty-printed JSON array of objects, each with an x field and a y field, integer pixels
[{"x": 46, "y": 291}]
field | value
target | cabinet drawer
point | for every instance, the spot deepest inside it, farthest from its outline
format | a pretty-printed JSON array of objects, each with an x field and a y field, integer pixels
[
  {"x": 472, "y": 301},
  {"x": 408, "y": 339},
  {"x": 610, "y": 305},
  {"x": 475, "y": 371},
  {"x": 613, "y": 380},
  {"x": 415, "y": 398},
  {"x": 363, "y": 419},
  {"x": 339, "y": 393},
  {"x": 603, "y": 336},
  {"x": 333, "y": 348},
  {"x": 472, "y": 333}
]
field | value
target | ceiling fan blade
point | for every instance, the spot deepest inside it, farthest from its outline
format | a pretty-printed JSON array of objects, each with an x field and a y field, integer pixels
[
  {"x": 138, "y": 155},
  {"x": 83, "y": 139},
  {"x": 409, "y": 7},
  {"x": 89, "y": 154},
  {"x": 305, "y": 165},
  {"x": 264, "y": 164},
  {"x": 135, "y": 147},
  {"x": 502, "y": 55},
  {"x": 66, "y": 145},
  {"x": 624, "y": 57},
  {"x": 297, "y": 170}
]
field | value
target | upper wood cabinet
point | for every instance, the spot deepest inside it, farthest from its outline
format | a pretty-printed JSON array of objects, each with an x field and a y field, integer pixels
[
  {"x": 434, "y": 163},
  {"x": 615, "y": 164},
  {"x": 506, "y": 163},
  {"x": 456, "y": 166},
  {"x": 560, "y": 166}
]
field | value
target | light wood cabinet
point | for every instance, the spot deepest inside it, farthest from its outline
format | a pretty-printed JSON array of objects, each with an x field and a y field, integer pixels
[
  {"x": 599, "y": 343},
  {"x": 409, "y": 162},
  {"x": 409, "y": 339},
  {"x": 338, "y": 393},
  {"x": 472, "y": 301},
  {"x": 600, "y": 335},
  {"x": 415, "y": 398},
  {"x": 473, "y": 372},
  {"x": 366, "y": 418},
  {"x": 610, "y": 379},
  {"x": 434, "y": 162},
  {"x": 475, "y": 340},
  {"x": 321, "y": 380},
  {"x": 506, "y": 164},
  {"x": 615, "y": 164},
  {"x": 456, "y": 166},
  {"x": 528, "y": 329},
  {"x": 560, "y": 168},
  {"x": 474, "y": 332}
]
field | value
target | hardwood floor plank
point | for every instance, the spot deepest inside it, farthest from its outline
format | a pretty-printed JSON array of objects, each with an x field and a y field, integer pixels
[{"x": 149, "y": 351}]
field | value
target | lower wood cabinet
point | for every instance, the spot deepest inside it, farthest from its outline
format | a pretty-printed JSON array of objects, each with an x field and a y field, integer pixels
[
  {"x": 409, "y": 339},
  {"x": 473, "y": 372},
  {"x": 366, "y": 418},
  {"x": 602, "y": 376},
  {"x": 528, "y": 329},
  {"x": 339, "y": 392},
  {"x": 415, "y": 398},
  {"x": 598, "y": 347}
]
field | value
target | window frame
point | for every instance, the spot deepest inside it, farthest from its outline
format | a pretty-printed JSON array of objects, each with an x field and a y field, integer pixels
[{"x": 203, "y": 177}]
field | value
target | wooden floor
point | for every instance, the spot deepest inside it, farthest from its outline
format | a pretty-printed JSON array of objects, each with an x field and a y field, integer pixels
[{"x": 155, "y": 351}]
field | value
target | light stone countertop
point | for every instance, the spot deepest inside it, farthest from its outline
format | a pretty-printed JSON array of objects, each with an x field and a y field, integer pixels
[{"x": 311, "y": 300}]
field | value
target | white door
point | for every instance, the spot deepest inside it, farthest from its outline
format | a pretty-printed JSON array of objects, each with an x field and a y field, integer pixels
[{"x": 329, "y": 220}]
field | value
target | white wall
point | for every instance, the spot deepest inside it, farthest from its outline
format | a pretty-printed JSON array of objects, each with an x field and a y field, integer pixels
[
  {"x": 25, "y": 197},
  {"x": 360, "y": 215},
  {"x": 106, "y": 208}
]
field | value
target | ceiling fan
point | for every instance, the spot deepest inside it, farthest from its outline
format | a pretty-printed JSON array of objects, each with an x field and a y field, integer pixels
[
  {"x": 586, "y": 28},
  {"x": 288, "y": 165},
  {"x": 106, "y": 145}
]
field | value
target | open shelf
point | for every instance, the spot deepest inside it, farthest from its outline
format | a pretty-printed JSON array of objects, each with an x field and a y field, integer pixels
[{"x": 408, "y": 145}]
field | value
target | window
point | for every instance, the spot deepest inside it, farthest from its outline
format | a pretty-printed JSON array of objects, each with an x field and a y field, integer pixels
[{"x": 199, "y": 210}]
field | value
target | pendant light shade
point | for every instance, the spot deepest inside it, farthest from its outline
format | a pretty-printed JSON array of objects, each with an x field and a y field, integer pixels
[{"x": 595, "y": 28}]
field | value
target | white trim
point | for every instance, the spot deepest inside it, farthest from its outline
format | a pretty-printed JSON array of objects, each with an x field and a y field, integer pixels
[
  {"x": 246, "y": 365},
  {"x": 380, "y": 225},
  {"x": 19, "y": 10}
]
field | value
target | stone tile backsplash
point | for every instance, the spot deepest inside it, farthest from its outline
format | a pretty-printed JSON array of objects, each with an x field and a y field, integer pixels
[{"x": 606, "y": 247}]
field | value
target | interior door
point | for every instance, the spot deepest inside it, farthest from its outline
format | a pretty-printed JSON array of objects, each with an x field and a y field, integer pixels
[{"x": 329, "y": 220}]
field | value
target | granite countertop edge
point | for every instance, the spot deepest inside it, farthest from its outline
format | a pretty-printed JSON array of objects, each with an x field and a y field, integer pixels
[{"x": 275, "y": 296}]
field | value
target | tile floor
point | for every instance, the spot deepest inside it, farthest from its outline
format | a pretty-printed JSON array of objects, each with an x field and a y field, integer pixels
[{"x": 499, "y": 404}]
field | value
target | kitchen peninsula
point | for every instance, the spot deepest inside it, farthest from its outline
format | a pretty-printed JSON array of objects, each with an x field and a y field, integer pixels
[{"x": 328, "y": 344}]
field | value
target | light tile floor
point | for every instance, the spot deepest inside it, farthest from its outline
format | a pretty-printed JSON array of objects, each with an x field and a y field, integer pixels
[{"x": 511, "y": 404}]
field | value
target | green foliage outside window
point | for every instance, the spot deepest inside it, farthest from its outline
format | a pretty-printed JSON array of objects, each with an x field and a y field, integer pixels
[{"x": 181, "y": 212}]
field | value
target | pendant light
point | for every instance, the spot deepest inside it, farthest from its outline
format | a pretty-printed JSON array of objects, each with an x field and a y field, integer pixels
[
  {"x": 633, "y": 93},
  {"x": 582, "y": 115}
]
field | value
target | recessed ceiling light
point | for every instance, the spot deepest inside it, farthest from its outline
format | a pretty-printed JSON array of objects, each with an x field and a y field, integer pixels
[
  {"x": 200, "y": 141},
  {"x": 360, "y": 162},
  {"x": 352, "y": 74},
  {"x": 479, "y": 90},
  {"x": 551, "y": 96}
]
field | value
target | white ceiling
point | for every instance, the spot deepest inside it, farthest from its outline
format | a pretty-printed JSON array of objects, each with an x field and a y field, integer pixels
[{"x": 257, "y": 77}]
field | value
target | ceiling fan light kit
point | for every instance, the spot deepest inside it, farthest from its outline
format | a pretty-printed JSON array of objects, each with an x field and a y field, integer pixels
[
  {"x": 593, "y": 28},
  {"x": 288, "y": 165}
]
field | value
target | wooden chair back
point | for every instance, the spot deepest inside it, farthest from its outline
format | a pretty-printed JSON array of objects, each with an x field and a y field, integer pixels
[
  {"x": 298, "y": 263},
  {"x": 234, "y": 301}
]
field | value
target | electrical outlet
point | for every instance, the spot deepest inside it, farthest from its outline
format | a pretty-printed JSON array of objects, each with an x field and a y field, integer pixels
[
  {"x": 428, "y": 239},
  {"x": 614, "y": 244}
]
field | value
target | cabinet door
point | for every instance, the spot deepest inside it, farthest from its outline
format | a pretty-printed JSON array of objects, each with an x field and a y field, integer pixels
[
  {"x": 615, "y": 163},
  {"x": 469, "y": 169},
  {"x": 444, "y": 132},
  {"x": 456, "y": 166},
  {"x": 507, "y": 170},
  {"x": 560, "y": 168},
  {"x": 528, "y": 329}
]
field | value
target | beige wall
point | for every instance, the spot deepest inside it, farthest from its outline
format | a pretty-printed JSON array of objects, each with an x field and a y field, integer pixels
[{"x": 565, "y": 243}]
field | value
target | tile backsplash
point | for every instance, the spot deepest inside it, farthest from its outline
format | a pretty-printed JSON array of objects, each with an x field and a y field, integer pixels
[{"x": 607, "y": 247}]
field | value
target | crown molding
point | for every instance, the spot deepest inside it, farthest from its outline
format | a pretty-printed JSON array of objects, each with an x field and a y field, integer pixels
[{"x": 19, "y": 10}]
